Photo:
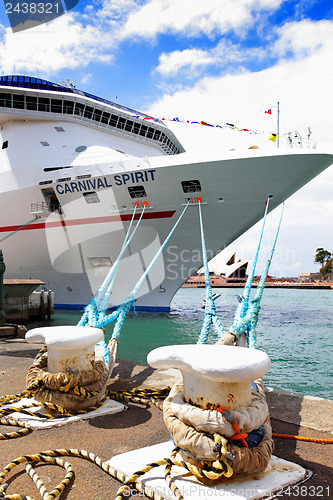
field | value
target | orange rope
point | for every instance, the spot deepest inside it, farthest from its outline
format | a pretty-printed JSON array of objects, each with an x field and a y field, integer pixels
[
  {"x": 238, "y": 436},
  {"x": 302, "y": 438}
]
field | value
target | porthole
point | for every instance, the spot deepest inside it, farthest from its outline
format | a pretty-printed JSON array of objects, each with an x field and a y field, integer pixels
[{"x": 79, "y": 149}]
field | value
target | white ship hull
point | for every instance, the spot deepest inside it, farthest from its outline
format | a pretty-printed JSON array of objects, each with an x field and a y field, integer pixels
[
  {"x": 73, "y": 252},
  {"x": 95, "y": 191}
]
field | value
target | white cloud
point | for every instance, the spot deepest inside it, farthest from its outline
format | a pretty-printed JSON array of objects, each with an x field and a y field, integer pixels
[
  {"x": 50, "y": 47},
  {"x": 71, "y": 41},
  {"x": 303, "y": 38},
  {"x": 190, "y": 62},
  {"x": 302, "y": 86},
  {"x": 194, "y": 17},
  {"x": 191, "y": 59}
]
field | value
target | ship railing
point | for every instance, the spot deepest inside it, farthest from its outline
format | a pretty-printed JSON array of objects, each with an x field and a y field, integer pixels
[{"x": 295, "y": 140}]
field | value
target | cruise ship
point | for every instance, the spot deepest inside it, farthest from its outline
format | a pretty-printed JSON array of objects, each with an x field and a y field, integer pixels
[{"x": 75, "y": 167}]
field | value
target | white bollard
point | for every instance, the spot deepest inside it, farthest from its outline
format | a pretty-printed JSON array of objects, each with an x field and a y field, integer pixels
[
  {"x": 68, "y": 346},
  {"x": 213, "y": 375}
]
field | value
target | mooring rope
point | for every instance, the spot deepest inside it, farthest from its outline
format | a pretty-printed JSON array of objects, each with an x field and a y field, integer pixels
[
  {"x": 211, "y": 317},
  {"x": 243, "y": 305},
  {"x": 94, "y": 313},
  {"x": 248, "y": 322}
]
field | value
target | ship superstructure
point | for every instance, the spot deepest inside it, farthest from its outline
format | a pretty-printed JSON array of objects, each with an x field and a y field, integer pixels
[{"x": 85, "y": 163}]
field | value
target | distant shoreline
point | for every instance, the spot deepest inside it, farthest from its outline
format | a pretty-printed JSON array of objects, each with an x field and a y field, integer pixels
[{"x": 305, "y": 286}]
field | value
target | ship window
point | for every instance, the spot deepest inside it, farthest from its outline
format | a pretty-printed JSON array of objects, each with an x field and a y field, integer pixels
[
  {"x": 59, "y": 129},
  {"x": 79, "y": 149},
  {"x": 56, "y": 106},
  {"x": 97, "y": 115},
  {"x": 137, "y": 192},
  {"x": 5, "y": 145},
  {"x": 143, "y": 130},
  {"x": 191, "y": 186},
  {"x": 88, "y": 112},
  {"x": 129, "y": 125},
  {"x": 79, "y": 109},
  {"x": 43, "y": 104},
  {"x": 5, "y": 100},
  {"x": 157, "y": 135},
  {"x": 113, "y": 120},
  {"x": 18, "y": 101},
  {"x": 64, "y": 179},
  {"x": 150, "y": 133},
  {"x": 42, "y": 183},
  {"x": 91, "y": 197},
  {"x": 84, "y": 176},
  {"x": 105, "y": 117},
  {"x": 68, "y": 107},
  {"x": 121, "y": 122},
  {"x": 44, "y": 143},
  {"x": 136, "y": 128},
  {"x": 31, "y": 103}
]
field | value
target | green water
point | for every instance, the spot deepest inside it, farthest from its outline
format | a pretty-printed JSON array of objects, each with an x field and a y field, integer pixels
[{"x": 295, "y": 328}]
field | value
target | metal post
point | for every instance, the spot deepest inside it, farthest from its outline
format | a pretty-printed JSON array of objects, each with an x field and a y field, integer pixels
[
  {"x": 2, "y": 272},
  {"x": 278, "y": 124}
]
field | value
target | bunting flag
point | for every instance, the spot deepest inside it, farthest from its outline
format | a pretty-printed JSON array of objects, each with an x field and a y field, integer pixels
[{"x": 231, "y": 126}]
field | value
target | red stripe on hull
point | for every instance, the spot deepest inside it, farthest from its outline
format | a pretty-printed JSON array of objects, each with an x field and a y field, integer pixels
[{"x": 92, "y": 220}]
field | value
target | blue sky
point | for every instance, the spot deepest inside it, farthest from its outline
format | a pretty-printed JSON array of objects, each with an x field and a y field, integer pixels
[{"x": 213, "y": 60}]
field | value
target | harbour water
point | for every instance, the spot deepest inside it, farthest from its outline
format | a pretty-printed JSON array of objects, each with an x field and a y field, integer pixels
[{"x": 295, "y": 328}]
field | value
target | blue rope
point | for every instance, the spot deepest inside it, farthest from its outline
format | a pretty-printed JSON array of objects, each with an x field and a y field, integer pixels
[
  {"x": 249, "y": 322},
  {"x": 137, "y": 287},
  {"x": 100, "y": 319},
  {"x": 210, "y": 309},
  {"x": 94, "y": 314},
  {"x": 244, "y": 304}
]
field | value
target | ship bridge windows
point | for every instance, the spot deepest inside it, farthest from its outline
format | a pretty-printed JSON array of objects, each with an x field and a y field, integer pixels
[
  {"x": 150, "y": 133},
  {"x": 129, "y": 125},
  {"x": 18, "y": 101},
  {"x": 68, "y": 107},
  {"x": 191, "y": 186},
  {"x": 31, "y": 103},
  {"x": 5, "y": 100},
  {"x": 121, "y": 123},
  {"x": 79, "y": 109},
  {"x": 137, "y": 192},
  {"x": 97, "y": 115},
  {"x": 56, "y": 106},
  {"x": 113, "y": 120},
  {"x": 88, "y": 112},
  {"x": 43, "y": 104},
  {"x": 105, "y": 117},
  {"x": 143, "y": 130}
]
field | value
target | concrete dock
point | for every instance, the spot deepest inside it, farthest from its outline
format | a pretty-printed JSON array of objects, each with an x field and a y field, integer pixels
[{"x": 139, "y": 427}]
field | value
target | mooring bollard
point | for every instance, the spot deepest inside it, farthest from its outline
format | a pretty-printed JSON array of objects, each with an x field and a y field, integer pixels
[{"x": 2, "y": 272}]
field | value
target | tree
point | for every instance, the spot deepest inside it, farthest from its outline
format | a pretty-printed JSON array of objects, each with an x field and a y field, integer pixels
[{"x": 324, "y": 258}]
